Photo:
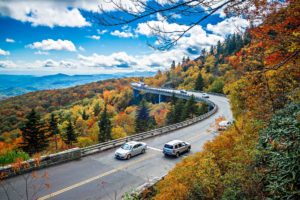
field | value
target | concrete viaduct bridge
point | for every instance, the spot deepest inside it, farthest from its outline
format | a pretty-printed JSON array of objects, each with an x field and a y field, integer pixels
[{"x": 163, "y": 92}]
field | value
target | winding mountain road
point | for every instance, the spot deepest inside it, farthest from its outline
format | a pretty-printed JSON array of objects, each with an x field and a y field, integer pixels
[{"x": 101, "y": 176}]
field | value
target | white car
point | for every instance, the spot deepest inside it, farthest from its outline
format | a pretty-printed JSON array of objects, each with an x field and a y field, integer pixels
[
  {"x": 204, "y": 95},
  {"x": 129, "y": 149},
  {"x": 223, "y": 125}
]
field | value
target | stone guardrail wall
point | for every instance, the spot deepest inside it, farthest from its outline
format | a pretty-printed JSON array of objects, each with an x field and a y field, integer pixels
[
  {"x": 166, "y": 129},
  {"x": 77, "y": 153},
  {"x": 140, "y": 136},
  {"x": 138, "y": 191},
  {"x": 43, "y": 161}
]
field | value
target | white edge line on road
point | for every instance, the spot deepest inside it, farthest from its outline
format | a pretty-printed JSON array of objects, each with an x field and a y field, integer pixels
[
  {"x": 104, "y": 174},
  {"x": 155, "y": 149},
  {"x": 93, "y": 178}
]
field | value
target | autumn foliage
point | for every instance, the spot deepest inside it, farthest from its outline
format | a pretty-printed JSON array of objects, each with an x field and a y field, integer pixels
[{"x": 263, "y": 78}]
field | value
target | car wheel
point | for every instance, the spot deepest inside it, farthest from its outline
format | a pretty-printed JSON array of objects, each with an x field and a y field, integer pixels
[
  {"x": 177, "y": 154},
  {"x": 189, "y": 149},
  {"x": 128, "y": 156},
  {"x": 143, "y": 151}
]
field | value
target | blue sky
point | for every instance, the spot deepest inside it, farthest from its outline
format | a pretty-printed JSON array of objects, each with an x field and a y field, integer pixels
[{"x": 50, "y": 36}]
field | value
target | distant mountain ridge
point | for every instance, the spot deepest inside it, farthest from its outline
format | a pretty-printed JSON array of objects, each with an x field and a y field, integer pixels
[{"x": 14, "y": 85}]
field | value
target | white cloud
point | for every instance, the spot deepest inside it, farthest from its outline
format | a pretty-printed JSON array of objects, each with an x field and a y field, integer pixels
[
  {"x": 94, "y": 37},
  {"x": 4, "y": 53},
  {"x": 189, "y": 45},
  {"x": 9, "y": 40},
  {"x": 229, "y": 26},
  {"x": 50, "y": 44},
  {"x": 7, "y": 64},
  {"x": 160, "y": 17},
  {"x": 41, "y": 53},
  {"x": 175, "y": 16},
  {"x": 49, "y": 63},
  {"x": 101, "y": 32},
  {"x": 122, "y": 34},
  {"x": 58, "y": 13},
  {"x": 43, "y": 13},
  {"x": 192, "y": 41},
  {"x": 118, "y": 59},
  {"x": 149, "y": 28},
  {"x": 81, "y": 48}
]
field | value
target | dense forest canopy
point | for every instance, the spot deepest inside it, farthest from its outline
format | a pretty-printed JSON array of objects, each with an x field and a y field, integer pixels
[
  {"x": 13, "y": 110},
  {"x": 256, "y": 158},
  {"x": 53, "y": 120}
]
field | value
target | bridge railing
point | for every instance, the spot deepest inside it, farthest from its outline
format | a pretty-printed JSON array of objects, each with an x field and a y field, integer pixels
[
  {"x": 165, "y": 89},
  {"x": 170, "y": 92}
]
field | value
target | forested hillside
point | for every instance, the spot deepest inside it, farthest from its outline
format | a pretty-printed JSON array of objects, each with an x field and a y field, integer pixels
[
  {"x": 54, "y": 120},
  {"x": 258, "y": 156},
  {"x": 13, "y": 110},
  {"x": 208, "y": 72}
]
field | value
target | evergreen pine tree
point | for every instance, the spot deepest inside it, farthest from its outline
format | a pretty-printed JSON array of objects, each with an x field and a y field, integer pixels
[
  {"x": 187, "y": 59},
  {"x": 247, "y": 36},
  {"x": 97, "y": 109},
  {"x": 202, "y": 55},
  {"x": 231, "y": 44},
  {"x": 190, "y": 108},
  {"x": 239, "y": 43},
  {"x": 70, "y": 136},
  {"x": 173, "y": 99},
  {"x": 34, "y": 134},
  {"x": 104, "y": 126},
  {"x": 199, "y": 83},
  {"x": 178, "y": 109},
  {"x": 171, "y": 116},
  {"x": 203, "y": 52},
  {"x": 219, "y": 48},
  {"x": 84, "y": 115},
  {"x": 171, "y": 113},
  {"x": 173, "y": 65},
  {"x": 142, "y": 117},
  {"x": 152, "y": 123},
  {"x": 53, "y": 128},
  {"x": 211, "y": 51},
  {"x": 183, "y": 60}
]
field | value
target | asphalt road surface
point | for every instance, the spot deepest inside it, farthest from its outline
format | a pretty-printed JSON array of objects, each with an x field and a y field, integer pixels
[{"x": 101, "y": 176}]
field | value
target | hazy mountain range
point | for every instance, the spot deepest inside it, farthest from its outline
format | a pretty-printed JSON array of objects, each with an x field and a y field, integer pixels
[{"x": 13, "y": 85}]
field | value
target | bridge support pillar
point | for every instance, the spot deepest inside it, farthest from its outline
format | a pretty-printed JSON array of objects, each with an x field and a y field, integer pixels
[
  {"x": 159, "y": 98},
  {"x": 136, "y": 93}
]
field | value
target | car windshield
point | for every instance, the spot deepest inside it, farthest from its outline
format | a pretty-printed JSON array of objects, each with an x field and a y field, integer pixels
[
  {"x": 168, "y": 146},
  {"x": 126, "y": 147}
]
